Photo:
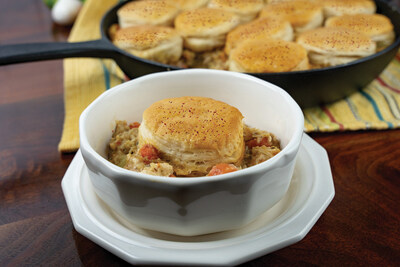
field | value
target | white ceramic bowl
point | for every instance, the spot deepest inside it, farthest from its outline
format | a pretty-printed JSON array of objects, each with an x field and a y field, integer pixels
[{"x": 200, "y": 205}]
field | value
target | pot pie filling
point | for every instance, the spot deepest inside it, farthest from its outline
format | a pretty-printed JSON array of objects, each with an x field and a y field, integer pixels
[
  {"x": 226, "y": 145},
  {"x": 124, "y": 152}
]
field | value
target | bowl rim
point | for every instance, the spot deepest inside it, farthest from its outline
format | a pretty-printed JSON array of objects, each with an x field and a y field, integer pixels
[{"x": 121, "y": 173}]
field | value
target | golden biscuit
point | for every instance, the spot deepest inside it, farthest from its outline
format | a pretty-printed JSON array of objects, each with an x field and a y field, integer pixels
[
  {"x": 190, "y": 4},
  {"x": 204, "y": 29},
  {"x": 247, "y": 10},
  {"x": 335, "y": 45},
  {"x": 268, "y": 56},
  {"x": 194, "y": 133},
  {"x": 159, "y": 43},
  {"x": 347, "y": 7},
  {"x": 150, "y": 12},
  {"x": 303, "y": 15},
  {"x": 376, "y": 26},
  {"x": 269, "y": 27}
]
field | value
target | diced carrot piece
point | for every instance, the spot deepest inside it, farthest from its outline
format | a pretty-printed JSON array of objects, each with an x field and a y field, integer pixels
[
  {"x": 149, "y": 153},
  {"x": 263, "y": 142},
  {"x": 134, "y": 125},
  {"x": 222, "y": 168}
]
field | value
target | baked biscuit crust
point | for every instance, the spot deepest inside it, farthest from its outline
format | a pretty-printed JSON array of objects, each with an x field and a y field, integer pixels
[
  {"x": 246, "y": 9},
  {"x": 205, "y": 22},
  {"x": 190, "y": 4},
  {"x": 335, "y": 45},
  {"x": 268, "y": 27},
  {"x": 268, "y": 56},
  {"x": 150, "y": 12},
  {"x": 347, "y": 7},
  {"x": 159, "y": 43},
  {"x": 303, "y": 15},
  {"x": 205, "y": 28},
  {"x": 376, "y": 26},
  {"x": 194, "y": 133}
]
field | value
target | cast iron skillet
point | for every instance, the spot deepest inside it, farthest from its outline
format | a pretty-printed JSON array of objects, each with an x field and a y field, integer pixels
[{"x": 308, "y": 88}]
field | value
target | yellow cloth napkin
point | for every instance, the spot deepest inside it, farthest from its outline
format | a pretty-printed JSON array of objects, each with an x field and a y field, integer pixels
[
  {"x": 84, "y": 78},
  {"x": 375, "y": 107}
]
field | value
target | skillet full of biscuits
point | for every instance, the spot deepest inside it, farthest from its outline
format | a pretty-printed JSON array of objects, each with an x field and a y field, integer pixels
[{"x": 305, "y": 53}]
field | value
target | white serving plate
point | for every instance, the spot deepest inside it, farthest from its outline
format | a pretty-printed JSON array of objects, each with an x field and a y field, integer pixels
[{"x": 309, "y": 194}]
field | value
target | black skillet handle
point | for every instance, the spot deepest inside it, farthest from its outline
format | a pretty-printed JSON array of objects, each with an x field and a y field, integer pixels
[{"x": 19, "y": 53}]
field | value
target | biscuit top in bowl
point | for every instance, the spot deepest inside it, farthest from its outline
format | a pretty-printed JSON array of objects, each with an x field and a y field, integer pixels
[{"x": 194, "y": 133}]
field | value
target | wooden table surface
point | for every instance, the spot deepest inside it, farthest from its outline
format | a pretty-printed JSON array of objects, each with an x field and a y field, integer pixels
[{"x": 361, "y": 227}]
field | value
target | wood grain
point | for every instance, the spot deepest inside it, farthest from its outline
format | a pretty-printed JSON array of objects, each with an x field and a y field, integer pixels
[{"x": 359, "y": 228}]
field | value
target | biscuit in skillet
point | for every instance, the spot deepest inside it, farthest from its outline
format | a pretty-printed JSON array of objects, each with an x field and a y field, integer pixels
[
  {"x": 149, "y": 12},
  {"x": 204, "y": 29},
  {"x": 190, "y": 4},
  {"x": 303, "y": 15},
  {"x": 247, "y": 10},
  {"x": 268, "y": 56},
  {"x": 330, "y": 46},
  {"x": 347, "y": 7},
  {"x": 159, "y": 43},
  {"x": 376, "y": 26},
  {"x": 268, "y": 27}
]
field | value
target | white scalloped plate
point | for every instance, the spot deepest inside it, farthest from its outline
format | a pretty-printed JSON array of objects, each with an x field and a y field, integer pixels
[{"x": 309, "y": 194}]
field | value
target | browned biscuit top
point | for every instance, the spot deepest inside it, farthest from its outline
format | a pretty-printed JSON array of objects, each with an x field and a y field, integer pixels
[
  {"x": 205, "y": 22},
  {"x": 196, "y": 122},
  {"x": 370, "y": 24},
  {"x": 274, "y": 27},
  {"x": 298, "y": 12},
  {"x": 270, "y": 56},
  {"x": 238, "y": 5},
  {"x": 337, "y": 40},
  {"x": 347, "y": 7},
  {"x": 143, "y": 36},
  {"x": 149, "y": 10}
]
